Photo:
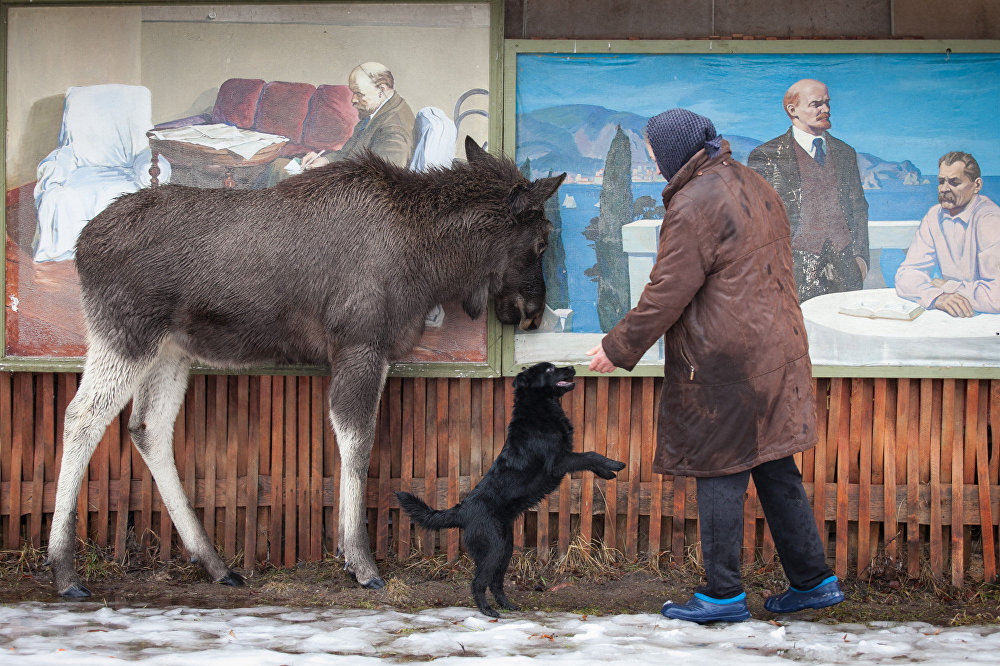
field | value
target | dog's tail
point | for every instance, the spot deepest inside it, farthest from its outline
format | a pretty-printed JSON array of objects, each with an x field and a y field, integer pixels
[{"x": 427, "y": 517}]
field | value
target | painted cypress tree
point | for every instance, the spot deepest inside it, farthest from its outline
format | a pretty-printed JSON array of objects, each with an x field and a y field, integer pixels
[
  {"x": 554, "y": 260},
  {"x": 611, "y": 269}
]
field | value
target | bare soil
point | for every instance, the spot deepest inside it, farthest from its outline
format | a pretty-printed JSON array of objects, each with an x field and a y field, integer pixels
[{"x": 585, "y": 583}]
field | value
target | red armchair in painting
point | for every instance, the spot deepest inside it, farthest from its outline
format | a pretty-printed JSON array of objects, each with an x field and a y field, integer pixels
[{"x": 312, "y": 117}]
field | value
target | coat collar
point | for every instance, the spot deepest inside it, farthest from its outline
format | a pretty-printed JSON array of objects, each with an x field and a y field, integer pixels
[{"x": 694, "y": 167}]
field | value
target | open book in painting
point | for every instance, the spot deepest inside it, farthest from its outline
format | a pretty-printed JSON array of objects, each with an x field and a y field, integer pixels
[{"x": 882, "y": 307}]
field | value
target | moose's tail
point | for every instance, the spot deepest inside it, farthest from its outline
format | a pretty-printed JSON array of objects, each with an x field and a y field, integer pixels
[{"x": 427, "y": 517}]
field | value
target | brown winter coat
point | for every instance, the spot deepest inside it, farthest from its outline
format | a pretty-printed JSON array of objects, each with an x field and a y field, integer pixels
[{"x": 737, "y": 388}]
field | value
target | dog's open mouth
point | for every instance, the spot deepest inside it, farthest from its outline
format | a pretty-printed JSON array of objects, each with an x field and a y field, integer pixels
[{"x": 565, "y": 384}]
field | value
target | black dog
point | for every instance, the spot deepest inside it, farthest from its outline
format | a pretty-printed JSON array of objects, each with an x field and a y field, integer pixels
[{"x": 538, "y": 453}]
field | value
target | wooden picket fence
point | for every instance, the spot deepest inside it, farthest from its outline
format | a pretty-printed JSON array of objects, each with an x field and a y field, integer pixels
[{"x": 905, "y": 469}]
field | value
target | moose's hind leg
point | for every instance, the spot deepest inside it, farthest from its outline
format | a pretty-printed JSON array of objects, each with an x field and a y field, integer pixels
[
  {"x": 154, "y": 411},
  {"x": 107, "y": 383},
  {"x": 355, "y": 389}
]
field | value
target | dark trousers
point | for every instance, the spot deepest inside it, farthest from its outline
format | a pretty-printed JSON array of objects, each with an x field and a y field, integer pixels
[{"x": 788, "y": 514}]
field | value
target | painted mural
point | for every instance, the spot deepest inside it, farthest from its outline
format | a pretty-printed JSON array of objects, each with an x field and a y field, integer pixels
[
  {"x": 220, "y": 96},
  {"x": 897, "y": 258}
]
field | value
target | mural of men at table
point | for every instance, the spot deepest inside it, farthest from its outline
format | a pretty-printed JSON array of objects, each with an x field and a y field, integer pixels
[
  {"x": 817, "y": 177},
  {"x": 953, "y": 262}
]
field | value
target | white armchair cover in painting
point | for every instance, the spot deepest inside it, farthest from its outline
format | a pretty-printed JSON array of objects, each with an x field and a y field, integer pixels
[
  {"x": 103, "y": 153},
  {"x": 435, "y": 135}
]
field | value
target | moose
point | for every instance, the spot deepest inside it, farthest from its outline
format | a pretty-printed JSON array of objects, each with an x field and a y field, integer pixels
[{"x": 338, "y": 265}]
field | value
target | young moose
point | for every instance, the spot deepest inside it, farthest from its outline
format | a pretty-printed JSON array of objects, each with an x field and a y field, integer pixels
[
  {"x": 538, "y": 453},
  {"x": 338, "y": 265}
]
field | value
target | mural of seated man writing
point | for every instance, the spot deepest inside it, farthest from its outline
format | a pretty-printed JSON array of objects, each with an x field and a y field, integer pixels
[
  {"x": 385, "y": 126},
  {"x": 953, "y": 262}
]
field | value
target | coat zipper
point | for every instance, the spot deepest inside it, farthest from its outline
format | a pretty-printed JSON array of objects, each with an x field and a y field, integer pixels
[{"x": 686, "y": 358}]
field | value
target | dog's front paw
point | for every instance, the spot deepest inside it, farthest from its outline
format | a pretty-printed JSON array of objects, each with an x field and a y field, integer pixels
[{"x": 608, "y": 468}]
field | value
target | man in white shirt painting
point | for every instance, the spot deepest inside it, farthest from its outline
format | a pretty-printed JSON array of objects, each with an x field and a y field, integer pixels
[{"x": 953, "y": 262}]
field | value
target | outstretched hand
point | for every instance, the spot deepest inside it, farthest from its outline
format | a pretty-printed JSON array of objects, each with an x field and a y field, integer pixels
[{"x": 600, "y": 361}]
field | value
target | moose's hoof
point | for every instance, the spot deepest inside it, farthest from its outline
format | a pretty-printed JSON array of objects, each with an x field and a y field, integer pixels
[
  {"x": 75, "y": 591},
  {"x": 232, "y": 579},
  {"x": 374, "y": 584}
]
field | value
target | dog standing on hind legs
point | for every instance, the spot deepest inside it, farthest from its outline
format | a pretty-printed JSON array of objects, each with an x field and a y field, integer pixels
[{"x": 536, "y": 456}]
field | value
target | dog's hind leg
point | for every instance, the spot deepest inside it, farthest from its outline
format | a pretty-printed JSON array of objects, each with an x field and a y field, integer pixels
[
  {"x": 485, "y": 543},
  {"x": 358, "y": 375},
  {"x": 155, "y": 405},
  {"x": 108, "y": 381},
  {"x": 496, "y": 585}
]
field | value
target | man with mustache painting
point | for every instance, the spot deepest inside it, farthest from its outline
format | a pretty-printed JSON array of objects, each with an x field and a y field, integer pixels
[
  {"x": 816, "y": 175},
  {"x": 953, "y": 262}
]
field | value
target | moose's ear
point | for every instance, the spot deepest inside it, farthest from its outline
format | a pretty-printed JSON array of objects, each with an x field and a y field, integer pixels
[
  {"x": 521, "y": 199},
  {"x": 543, "y": 188},
  {"x": 473, "y": 152}
]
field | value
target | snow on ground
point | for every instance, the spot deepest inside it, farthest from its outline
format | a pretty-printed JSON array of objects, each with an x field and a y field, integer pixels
[{"x": 89, "y": 633}]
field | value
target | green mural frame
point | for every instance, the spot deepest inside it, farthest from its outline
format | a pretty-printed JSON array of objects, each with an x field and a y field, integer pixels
[{"x": 491, "y": 367}]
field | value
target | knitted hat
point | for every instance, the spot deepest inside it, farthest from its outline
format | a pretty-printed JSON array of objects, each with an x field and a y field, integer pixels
[{"x": 676, "y": 135}]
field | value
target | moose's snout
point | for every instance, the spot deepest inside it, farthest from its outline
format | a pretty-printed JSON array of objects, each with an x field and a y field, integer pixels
[{"x": 531, "y": 313}]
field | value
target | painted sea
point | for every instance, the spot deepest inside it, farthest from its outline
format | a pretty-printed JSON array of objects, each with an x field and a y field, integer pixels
[{"x": 893, "y": 202}]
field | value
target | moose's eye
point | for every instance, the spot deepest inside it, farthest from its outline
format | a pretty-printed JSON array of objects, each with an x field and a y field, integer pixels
[{"x": 540, "y": 246}]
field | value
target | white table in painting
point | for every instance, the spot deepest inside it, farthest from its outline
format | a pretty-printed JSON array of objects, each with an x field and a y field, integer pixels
[{"x": 934, "y": 338}]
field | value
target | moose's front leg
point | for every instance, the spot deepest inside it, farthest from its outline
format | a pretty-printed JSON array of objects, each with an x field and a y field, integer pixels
[{"x": 358, "y": 375}]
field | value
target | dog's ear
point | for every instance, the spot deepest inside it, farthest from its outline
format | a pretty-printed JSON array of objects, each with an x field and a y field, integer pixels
[{"x": 520, "y": 381}]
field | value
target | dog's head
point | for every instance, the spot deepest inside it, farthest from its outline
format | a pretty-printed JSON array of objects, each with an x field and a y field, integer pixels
[{"x": 546, "y": 377}]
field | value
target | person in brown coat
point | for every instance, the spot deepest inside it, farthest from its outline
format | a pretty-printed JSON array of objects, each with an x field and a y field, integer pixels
[{"x": 737, "y": 396}]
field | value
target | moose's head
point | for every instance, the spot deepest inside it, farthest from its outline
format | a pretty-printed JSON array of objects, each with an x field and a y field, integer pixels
[{"x": 520, "y": 299}]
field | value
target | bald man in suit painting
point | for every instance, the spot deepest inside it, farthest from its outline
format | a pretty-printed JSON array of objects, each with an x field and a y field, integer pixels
[{"x": 816, "y": 175}]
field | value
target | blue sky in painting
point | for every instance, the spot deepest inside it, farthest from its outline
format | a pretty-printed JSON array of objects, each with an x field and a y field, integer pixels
[{"x": 895, "y": 106}]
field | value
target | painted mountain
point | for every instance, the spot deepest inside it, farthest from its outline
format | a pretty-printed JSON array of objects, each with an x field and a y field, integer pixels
[{"x": 576, "y": 138}]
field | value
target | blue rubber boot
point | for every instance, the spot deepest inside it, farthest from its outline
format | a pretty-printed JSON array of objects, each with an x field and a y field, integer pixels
[
  {"x": 825, "y": 594},
  {"x": 702, "y": 609}
]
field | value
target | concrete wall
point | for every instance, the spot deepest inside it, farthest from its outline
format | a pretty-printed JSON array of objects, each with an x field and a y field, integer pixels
[{"x": 694, "y": 19}]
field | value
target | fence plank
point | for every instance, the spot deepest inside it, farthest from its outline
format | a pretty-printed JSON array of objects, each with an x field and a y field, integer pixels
[
  {"x": 634, "y": 457},
  {"x": 255, "y": 418},
  {"x": 649, "y": 403},
  {"x": 231, "y": 472},
  {"x": 406, "y": 444},
  {"x": 6, "y": 453},
  {"x": 44, "y": 440},
  {"x": 278, "y": 444},
  {"x": 930, "y": 412},
  {"x": 453, "y": 416},
  {"x": 891, "y": 525},
  {"x": 588, "y": 389},
  {"x": 838, "y": 440},
  {"x": 862, "y": 410},
  {"x": 821, "y": 451},
  {"x": 983, "y": 478},
  {"x": 431, "y": 461},
  {"x": 957, "y": 484},
  {"x": 907, "y": 440}
]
